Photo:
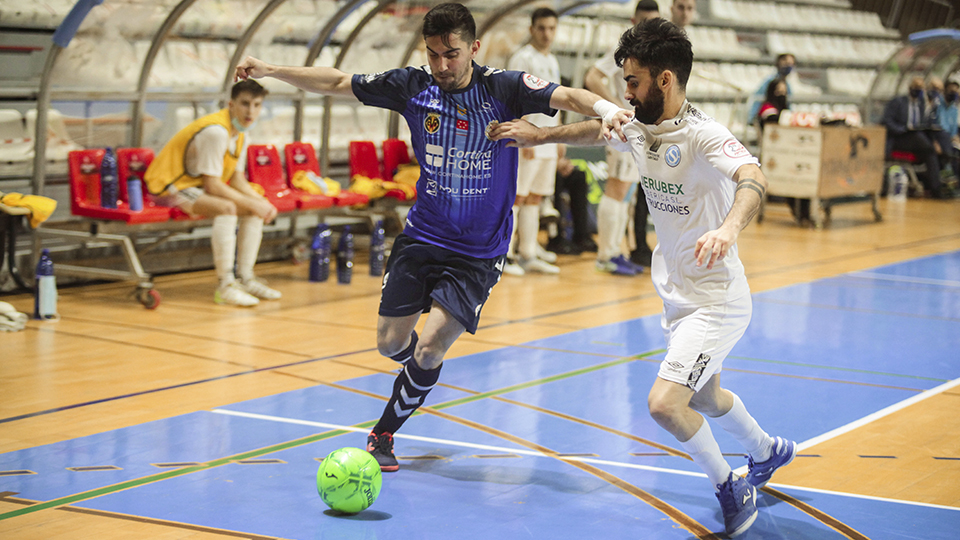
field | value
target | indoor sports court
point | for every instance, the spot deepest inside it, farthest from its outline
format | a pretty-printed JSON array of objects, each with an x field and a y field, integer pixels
[{"x": 145, "y": 409}]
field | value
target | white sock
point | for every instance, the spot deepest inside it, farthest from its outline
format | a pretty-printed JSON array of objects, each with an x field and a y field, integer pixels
[
  {"x": 248, "y": 240},
  {"x": 609, "y": 233},
  {"x": 528, "y": 229},
  {"x": 622, "y": 225},
  {"x": 705, "y": 451},
  {"x": 512, "y": 250},
  {"x": 223, "y": 241},
  {"x": 738, "y": 422}
]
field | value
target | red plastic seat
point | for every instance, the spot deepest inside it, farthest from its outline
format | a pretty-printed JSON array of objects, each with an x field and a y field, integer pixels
[
  {"x": 133, "y": 163},
  {"x": 301, "y": 157},
  {"x": 264, "y": 168},
  {"x": 394, "y": 154},
  {"x": 363, "y": 160},
  {"x": 900, "y": 155},
  {"x": 85, "y": 188}
]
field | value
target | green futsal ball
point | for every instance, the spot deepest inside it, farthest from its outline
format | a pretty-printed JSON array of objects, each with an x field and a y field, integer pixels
[{"x": 349, "y": 480}]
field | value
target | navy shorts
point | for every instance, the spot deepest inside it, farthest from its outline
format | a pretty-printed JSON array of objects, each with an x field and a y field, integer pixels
[{"x": 419, "y": 273}]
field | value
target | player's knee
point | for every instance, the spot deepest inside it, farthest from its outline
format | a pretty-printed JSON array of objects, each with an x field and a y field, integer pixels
[
  {"x": 391, "y": 343},
  {"x": 429, "y": 355},
  {"x": 662, "y": 408}
]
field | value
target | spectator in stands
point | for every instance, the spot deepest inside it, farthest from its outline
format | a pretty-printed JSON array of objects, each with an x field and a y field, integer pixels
[
  {"x": 786, "y": 63},
  {"x": 941, "y": 130},
  {"x": 682, "y": 12},
  {"x": 906, "y": 122},
  {"x": 775, "y": 102},
  {"x": 453, "y": 248},
  {"x": 201, "y": 172},
  {"x": 605, "y": 79},
  {"x": 537, "y": 171},
  {"x": 949, "y": 116}
]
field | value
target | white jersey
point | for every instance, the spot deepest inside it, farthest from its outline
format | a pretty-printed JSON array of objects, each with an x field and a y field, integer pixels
[
  {"x": 545, "y": 66},
  {"x": 686, "y": 169},
  {"x": 205, "y": 152},
  {"x": 617, "y": 87}
]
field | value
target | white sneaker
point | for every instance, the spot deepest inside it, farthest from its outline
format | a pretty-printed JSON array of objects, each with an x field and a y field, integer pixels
[
  {"x": 545, "y": 255},
  {"x": 258, "y": 288},
  {"x": 537, "y": 265},
  {"x": 512, "y": 268},
  {"x": 233, "y": 295}
]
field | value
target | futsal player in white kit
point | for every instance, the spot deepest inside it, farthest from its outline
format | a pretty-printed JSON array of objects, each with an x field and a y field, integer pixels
[
  {"x": 537, "y": 168},
  {"x": 703, "y": 187}
]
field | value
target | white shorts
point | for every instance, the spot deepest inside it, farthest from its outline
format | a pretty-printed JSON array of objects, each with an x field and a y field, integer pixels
[
  {"x": 620, "y": 165},
  {"x": 182, "y": 199},
  {"x": 699, "y": 338},
  {"x": 537, "y": 176}
]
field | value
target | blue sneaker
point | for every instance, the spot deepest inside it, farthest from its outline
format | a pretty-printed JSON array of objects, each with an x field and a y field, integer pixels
[
  {"x": 623, "y": 261},
  {"x": 738, "y": 501},
  {"x": 782, "y": 453},
  {"x": 615, "y": 268}
]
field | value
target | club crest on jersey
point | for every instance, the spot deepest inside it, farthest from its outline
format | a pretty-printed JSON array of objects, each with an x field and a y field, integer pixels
[
  {"x": 432, "y": 123},
  {"x": 533, "y": 82},
  {"x": 672, "y": 155},
  {"x": 733, "y": 148}
]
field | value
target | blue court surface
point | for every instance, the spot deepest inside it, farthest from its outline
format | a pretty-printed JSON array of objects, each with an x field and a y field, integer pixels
[{"x": 549, "y": 440}]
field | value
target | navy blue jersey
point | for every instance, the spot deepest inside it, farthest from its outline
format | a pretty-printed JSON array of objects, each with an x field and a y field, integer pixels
[{"x": 467, "y": 183}]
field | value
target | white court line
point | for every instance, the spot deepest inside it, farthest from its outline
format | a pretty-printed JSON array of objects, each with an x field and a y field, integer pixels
[
  {"x": 540, "y": 454},
  {"x": 904, "y": 279}
]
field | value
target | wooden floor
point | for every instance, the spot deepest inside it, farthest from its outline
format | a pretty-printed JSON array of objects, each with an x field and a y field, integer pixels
[{"x": 109, "y": 363}]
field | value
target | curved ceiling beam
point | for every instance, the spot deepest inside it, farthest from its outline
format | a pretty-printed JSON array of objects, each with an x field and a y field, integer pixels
[
  {"x": 136, "y": 121},
  {"x": 245, "y": 39}
]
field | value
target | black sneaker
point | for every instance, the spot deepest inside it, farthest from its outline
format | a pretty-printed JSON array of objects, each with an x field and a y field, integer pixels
[
  {"x": 381, "y": 447},
  {"x": 643, "y": 257}
]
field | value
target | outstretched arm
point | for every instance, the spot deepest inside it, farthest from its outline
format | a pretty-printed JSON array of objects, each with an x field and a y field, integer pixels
[
  {"x": 319, "y": 80},
  {"x": 587, "y": 103},
  {"x": 751, "y": 186},
  {"x": 524, "y": 134}
]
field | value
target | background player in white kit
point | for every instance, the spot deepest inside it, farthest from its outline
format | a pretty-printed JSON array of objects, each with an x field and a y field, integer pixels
[
  {"x": 537, "y": 169},
  {"x": 687, "y": 161},
  {"x": 605, "y": 78}
]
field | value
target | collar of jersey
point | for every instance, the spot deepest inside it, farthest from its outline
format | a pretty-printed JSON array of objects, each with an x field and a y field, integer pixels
[{"x": 672, "y": 124}]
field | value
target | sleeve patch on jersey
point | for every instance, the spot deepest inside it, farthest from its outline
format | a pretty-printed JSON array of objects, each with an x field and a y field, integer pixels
[
  {"x": 733, "y": 148},
  {"x": 533, "y": 82},
  {"x": 369, "y": 78}
]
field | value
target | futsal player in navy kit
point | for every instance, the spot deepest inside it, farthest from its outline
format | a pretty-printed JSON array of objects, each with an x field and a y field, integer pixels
[{"x": 452, "y": 249}]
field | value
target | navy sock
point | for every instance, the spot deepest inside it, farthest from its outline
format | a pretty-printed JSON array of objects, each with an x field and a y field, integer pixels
[
  {"x": 409, "y": 391},
  {"x": 407, "y": 354}
]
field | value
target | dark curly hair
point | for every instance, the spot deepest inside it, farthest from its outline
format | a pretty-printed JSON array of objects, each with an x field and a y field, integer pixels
[{"x": 658, "y": 45}]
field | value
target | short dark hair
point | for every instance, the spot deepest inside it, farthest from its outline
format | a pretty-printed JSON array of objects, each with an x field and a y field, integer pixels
[
  {"x": 772, "y": 87},
  {"x": 542, "y": 13},
  {"x": 782, "y": 57},
  {"x": 446, "y": 19},
  {"x": 248, "y": 86},
  {"x": 647, "y": 5},
  {"x": 658, "y": 45}
]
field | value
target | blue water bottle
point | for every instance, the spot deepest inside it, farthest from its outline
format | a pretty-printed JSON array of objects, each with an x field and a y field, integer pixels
[
  {"x": 45, "y": 295},
  {"x": 320, "y": 254},
  {"x": 377, "y": 249},
  {"x": 345, "y": 256},
  {"x": 108, "y": 180},
  {"x": 134, "y": 194}
]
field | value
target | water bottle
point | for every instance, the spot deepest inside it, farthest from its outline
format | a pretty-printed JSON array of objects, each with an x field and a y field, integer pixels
[
  {"x": 45, "y": 298},
  {"x": 345, "y": 256},
  {"x": 320, "y": 254},
  {"x": 134, "y": 194},
  {"x": 898, "y": 184},
  {"x": 377, "y": 249},
  {"x": 108, "y": 180}
]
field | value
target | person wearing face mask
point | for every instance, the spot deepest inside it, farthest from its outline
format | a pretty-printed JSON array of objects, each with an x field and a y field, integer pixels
[
  {"x": 949, "y": 114},
  {"x": 940, "y": 127},
  {"x": 772, "y": 107},
  {"x": 201, "y": 172},
  {"x": 786, "y": 63},
  {"x": 906, "y": 120}
]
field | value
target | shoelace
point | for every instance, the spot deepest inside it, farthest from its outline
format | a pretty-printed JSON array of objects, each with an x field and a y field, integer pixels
[
  {"x": 383, "y": 442},
  {"x": 728, "y": 500}
]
